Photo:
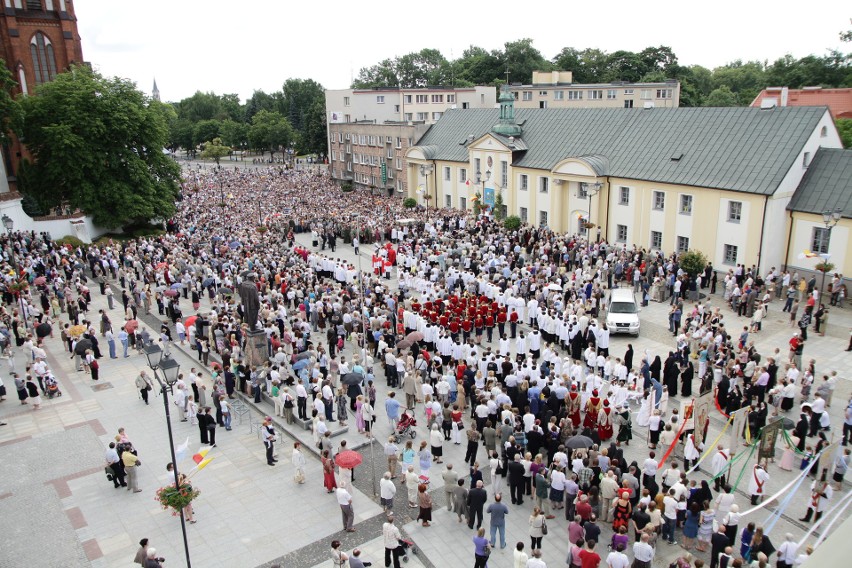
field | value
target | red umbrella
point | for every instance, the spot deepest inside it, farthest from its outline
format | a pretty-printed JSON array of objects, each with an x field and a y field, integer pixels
[
  {"x": 171, "y": 293},
  {"x": 40, "y": 281},
  {"x": 348, "y": 459},
  {"x": 190, "y": 321},
  {"x": 162, "y": 265}
]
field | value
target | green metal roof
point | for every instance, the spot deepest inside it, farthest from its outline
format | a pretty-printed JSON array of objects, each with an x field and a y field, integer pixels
[
  {"x": 739, "y": 149},
  {"x": 827, "y": 184}
]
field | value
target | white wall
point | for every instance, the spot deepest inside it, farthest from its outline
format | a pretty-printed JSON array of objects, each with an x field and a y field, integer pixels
[
  {"x": 774, "y": 231},
  {"x": 80, "y": 227},
  {"x": 800, "y": 241}
]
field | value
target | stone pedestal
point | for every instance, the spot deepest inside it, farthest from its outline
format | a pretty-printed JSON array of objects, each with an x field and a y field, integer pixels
[{"x": 257, "y": 350}]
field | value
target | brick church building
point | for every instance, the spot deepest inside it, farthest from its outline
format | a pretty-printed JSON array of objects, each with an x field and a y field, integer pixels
[{"x": 38, "y": 39}]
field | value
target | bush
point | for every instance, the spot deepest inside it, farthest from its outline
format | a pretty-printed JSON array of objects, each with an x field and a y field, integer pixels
[
  {"x": 409, "y": 202},
  {"x": 512, "y": 222},
  {"x": 692, "y": 262},
  {"x": 31, "y": 206},
  {"x": 346, "y": 186},
  {"x": 70, "y": 240}
]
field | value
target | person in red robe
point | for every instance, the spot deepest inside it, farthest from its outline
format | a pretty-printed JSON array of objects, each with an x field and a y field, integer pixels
[
  {"x": 605, "y": 422},
  {"x": 574, "y": 403},
  {"x": 593, "y": 407}
]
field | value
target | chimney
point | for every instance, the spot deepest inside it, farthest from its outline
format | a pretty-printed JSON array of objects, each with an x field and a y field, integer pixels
[{"x": 784, "y": 93}]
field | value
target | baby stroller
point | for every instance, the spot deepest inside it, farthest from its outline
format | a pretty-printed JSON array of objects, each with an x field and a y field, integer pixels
[
  {"x": 51, "y": 387},
  {"x": 405, "y": 427},
  {"x": 406, "y": 546}
]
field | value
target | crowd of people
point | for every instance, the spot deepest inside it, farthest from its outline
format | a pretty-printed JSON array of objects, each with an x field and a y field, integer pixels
[{"x": 497, "y": 338}]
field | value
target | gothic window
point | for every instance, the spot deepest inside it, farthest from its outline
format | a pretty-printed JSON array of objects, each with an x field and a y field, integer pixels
[{"x": 44, "y": 62}]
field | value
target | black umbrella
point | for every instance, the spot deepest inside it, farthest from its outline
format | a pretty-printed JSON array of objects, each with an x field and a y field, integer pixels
[
  {"x": 82, "y": 345},
  {"x": 304, "y": 355},
  {"x": 577, "y": 442},
  {"x": 43, "y": 329},
  {"x": 352, "y": 379},
  {"x": 787, "y": 424}
]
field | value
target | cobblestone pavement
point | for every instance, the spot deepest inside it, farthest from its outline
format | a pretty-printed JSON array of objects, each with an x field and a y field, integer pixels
[{"x": 52, "y": 482}]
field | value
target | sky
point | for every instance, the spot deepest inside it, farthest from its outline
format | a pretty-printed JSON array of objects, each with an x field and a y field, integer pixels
[{"x": 240, "y": 46}]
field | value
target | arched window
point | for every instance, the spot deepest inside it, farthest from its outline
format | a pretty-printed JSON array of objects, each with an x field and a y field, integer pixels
[{"x": 44, "y": 62}]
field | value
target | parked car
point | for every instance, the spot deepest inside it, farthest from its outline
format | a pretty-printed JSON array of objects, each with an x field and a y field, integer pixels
[{"x": 622, "y": 312}]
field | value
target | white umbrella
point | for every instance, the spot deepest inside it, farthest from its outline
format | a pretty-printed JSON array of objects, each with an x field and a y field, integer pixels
[{"x": 554, "y": 286}]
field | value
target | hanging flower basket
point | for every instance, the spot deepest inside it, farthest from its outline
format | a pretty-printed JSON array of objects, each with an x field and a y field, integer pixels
[
  {"x": 589, "y": 225},
  {"x": 19, "y": 286},
  {"x": 176, "y": 498},
  {"x": 262, "y": 229}
]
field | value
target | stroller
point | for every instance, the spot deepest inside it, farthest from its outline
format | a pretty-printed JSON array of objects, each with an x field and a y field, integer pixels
[
  {"x": 51, "y": 387},
  {"x": 405, "y": 427},
  {"x": 406, "y": 546}
]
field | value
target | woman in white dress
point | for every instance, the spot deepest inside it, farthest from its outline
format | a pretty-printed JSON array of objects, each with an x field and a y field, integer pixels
[{"x": 644, "y": 416}]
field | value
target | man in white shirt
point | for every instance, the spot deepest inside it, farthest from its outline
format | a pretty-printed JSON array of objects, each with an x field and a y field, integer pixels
[
  {"x": 391, "y": 537},
  {"x": 617, "y": 558},
  {"x": 643, "y": 552},
  {"x": 344, "y": 499},
  {"x": 669, "y": 516},
  {"x": 787, "y": 552},
  {"x": 536, "y": 561}
]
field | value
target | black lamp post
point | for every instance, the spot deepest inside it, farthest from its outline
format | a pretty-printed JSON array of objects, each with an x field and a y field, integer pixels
[
  {"x": 591, "y": 190},
  {"x": 9, "y": 225},
  {"x": 170, "y": 370},
  {"x": 830, "y": 219}
]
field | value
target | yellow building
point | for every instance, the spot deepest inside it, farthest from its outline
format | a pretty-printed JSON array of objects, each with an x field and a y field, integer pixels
[
  {"x": 820, "y": 214},
  {"x": 714, "y": 179}
]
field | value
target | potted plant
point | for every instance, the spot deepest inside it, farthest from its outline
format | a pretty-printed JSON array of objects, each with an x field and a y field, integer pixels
[{"x": 176, "y": 498}]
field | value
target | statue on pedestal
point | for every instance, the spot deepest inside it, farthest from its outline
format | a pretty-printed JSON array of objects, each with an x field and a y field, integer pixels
[{"x": 250, "y": 300}]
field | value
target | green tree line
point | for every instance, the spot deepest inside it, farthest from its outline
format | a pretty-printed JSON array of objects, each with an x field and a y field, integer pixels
[
  {"x": 734, "y": 84},
  {"x": 266, "y": 122}
]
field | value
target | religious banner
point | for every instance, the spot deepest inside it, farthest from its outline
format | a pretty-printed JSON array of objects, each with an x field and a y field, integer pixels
[
  {"x": 826, "y": 459},
  {"x": 687, "y": 408},
  {"x": 703, "y": 405},
  {"x": 488, "y": 196},
  {"x": 768, "y": 437},
  {"x": 738, "y": 422}
]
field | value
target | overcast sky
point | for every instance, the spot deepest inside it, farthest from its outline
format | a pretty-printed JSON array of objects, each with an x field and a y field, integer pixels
[{"x": 239, "y": 46}]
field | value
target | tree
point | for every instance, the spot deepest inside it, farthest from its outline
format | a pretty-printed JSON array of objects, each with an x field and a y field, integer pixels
[
  {"x": 215, "y": 150},
  {"x": 423, "y": 68},
  {"x": 844, "y": 128},
  {"x": 692, "y": 262},
  {"x": 304, "y": 101},
  {"x": 381, "y": 75},
  {"x": 206, "y": 130},
  {"x": 721, "y": 97},
  {"x": 234, "y": 134},
  {"x": 11, "y": 115},
  {"x": 97, "y": 144},
  {"x": 270, "y": 132},
  {"x": 498, "y": 206},
  {"x": 478, "y": 66},
  {"x": 521, "y": 59},
  {"x": 314, "y": 136}
]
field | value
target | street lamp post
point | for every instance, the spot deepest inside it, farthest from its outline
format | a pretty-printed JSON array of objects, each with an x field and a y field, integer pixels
[
  {"x": 425, "y": 171},
  {"x": 9, "y": 224},
  {"x": 170, "y": 370},
  {"x": 479, "y": 180},
  {"x": 830, "y": 219},
  {"x": 355, "y": 243},
  {"x": 592, "y": 189}
]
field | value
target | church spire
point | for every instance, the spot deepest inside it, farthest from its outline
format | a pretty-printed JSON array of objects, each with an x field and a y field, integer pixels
[
  {"x": 155, "y": 93},
  {"x": 507, "y": 125}
]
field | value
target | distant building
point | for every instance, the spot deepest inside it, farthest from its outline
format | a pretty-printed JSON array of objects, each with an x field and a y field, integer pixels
[
  {"x": 371, "y": 127},
  {"x": 39, "y": 40},
  {"x": 718, "y": 180},
  {"x": 556, "y": 89},
  {"x": 838, "y": 101}
]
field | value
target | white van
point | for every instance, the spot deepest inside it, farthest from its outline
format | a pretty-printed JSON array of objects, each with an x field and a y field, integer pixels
[{"x": 622, "y": 312}]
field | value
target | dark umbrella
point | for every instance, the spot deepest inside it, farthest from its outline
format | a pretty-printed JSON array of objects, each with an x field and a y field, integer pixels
[
  {"x": 207, "y": 282},
  {"x": 787, "y": 424},
  {"x": 82, "y": 346},
  {"x": 578, "y": 442},
  {"x": 176, "y": 286},
  {"x": 348, "y": 459},
  {"x": 352, "y": 379},
  {"x": 234, "y": 245},
  {"x": 43, "y": 329},
  {"x": 305, "y": 355}
]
